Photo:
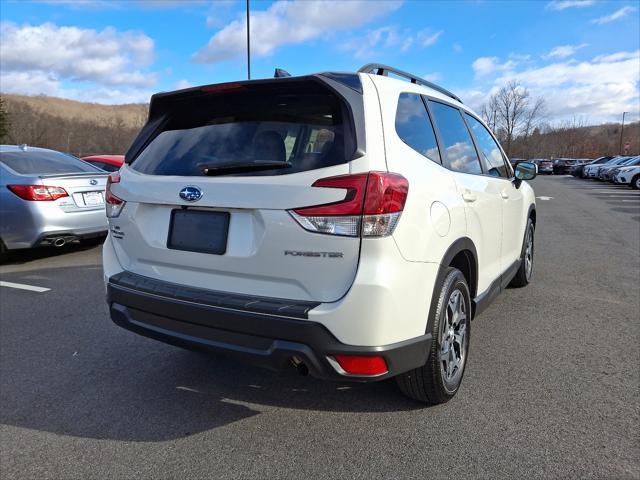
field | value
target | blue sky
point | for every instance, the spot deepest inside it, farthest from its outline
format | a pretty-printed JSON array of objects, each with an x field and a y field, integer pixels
[{"x": 582, "y": 56}]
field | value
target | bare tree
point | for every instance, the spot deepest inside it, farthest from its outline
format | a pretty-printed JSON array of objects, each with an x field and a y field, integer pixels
[{"x": 512, "y": 112}]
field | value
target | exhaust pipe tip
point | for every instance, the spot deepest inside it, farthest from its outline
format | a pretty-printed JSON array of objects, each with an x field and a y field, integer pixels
[
  {"x": 59, "y": 242},
  {"x": 300, "y": 366}
]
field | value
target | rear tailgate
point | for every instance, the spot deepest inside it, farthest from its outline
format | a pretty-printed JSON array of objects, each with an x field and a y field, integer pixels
[{"x": 264, "y": 251}]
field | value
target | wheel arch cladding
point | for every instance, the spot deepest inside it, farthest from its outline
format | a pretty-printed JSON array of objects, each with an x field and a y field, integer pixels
[{"x": 462, "y": 254}]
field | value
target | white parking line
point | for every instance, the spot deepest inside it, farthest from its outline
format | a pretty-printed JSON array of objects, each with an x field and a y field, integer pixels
[
  {"x": 623, "y": 191},
  {"x": 22, "y": 286},
  {"x": 630, "y": 200}
]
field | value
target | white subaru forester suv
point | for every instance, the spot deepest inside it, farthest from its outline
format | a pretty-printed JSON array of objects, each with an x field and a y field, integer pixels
[{"x": 348, "y": 225}]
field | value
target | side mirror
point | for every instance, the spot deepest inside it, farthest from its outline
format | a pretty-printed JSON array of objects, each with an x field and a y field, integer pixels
[{"x": 525, "y": 171}]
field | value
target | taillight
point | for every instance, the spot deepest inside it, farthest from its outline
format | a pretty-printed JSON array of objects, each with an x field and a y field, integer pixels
[
  {"x": 371, "y": 207},
  {"x": 113, "y": 204},
  {"x": 361, "y": 365},
  {"x": 38, "y": 193}
]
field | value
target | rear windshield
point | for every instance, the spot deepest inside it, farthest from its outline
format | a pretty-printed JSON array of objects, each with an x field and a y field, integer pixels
[
  {"x": 306, "y": 130},
  {"x": 44, "y": 163}
]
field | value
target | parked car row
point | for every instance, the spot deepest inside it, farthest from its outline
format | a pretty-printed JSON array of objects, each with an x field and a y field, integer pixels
[
  {"x": 50, "y": 198},
  {"x": 545, "y": 166},
  {"x": 558, "y": 166},
  {"x": 623, "y": 170}
]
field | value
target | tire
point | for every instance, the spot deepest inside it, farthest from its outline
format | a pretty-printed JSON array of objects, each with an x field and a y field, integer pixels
[
  {"x": 635, "y": 182},
  {"x": 525, "y": 271},
  {"x": 432, "y": 383},
  {"x": 93, "y": 241},
  {"x": 3, "y": 252}
]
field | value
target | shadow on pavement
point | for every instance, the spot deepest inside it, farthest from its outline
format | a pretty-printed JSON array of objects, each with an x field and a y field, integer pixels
[
  {"x": 67, "y": 369},
  {"x": 22, "y": 256},
  {"x": 182, "y": 394}
]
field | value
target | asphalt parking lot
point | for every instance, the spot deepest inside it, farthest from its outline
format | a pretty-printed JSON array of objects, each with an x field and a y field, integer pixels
[{"x": 552, "y": 389}]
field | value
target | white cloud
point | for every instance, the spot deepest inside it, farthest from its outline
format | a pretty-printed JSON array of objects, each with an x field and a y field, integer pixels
[
  {"x": 109, "y": 57},
  {"x": 290, "y": 22},
  {"x": 616, "y": 57},
  {"x": 124, "y": 4},
  {"x": 219, "y": 13},
  {"x": 617, "y": 15},
  {"x": 598, "y": 89},
  {"x": 29, "y": 83},
  {"x": 564, "y": 51},
  {"x": 484, "y": 66},
  {"x": 378, "y": 39},
  {"x": 39, "y": 83},
  {"x": 182, "y": 84},
  {"x": 564, "y": 4},
  {"x": 427, "y": 39},
  {"x": 432, "y": 77},
  {"x": 83, "y": 4},
  {"x": 386, "y": 38}
]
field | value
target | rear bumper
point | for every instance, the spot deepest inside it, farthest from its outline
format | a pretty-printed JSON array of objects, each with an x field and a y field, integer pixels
[
  {"x": 231, "y": 325},
  {"x": 27, "y": 224}
]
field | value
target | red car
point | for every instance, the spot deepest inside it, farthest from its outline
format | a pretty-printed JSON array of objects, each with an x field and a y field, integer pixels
[{"x": 108, "y": 163}]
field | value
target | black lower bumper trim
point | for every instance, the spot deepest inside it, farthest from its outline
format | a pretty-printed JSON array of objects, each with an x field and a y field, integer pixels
[{"x": 265, "y": 340}]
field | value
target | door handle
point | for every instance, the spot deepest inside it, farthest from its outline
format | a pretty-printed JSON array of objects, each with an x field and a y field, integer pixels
[
  {"x": 504, "y": 194},
  {"x": 469, "y": 197}
]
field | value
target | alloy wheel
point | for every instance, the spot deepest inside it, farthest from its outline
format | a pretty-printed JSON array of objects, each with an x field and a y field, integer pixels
[
  {"x": 453, "y": 338},
  {"x": 528, "y": 254}
]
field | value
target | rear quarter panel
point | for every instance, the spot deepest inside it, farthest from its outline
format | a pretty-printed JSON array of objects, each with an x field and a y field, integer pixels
[{"x": 433, "y": 217}]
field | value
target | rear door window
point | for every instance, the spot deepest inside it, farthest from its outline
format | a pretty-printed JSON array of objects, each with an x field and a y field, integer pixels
[
  {"x": 43, "y": 162},
  {"x": 414, "y": 128},
  {"x": 307, "y": 131},
  {"x": 459, "y": 152},
  {"x": 489, "y": 149}
]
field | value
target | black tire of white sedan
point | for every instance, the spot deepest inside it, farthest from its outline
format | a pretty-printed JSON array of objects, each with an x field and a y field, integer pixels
[
  {"x": 439, "y": 379},
  {"x": 525, "y": 271},
  {"x": 3, "y": 252},
  {"x": 635, "y": 182}
]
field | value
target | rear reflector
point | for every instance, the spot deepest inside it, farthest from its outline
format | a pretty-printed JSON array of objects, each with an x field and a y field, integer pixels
[
  {"x": 38, "y": 193},
  {"x": 371, "y": 206},
  {"x": 362, "y": 365},
  {"x": 113, "y": 204}
]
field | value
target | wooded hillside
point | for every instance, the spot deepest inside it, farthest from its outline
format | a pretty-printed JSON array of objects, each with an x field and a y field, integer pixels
[
  {"x": 90, "y": 128},
  {"x": 75, "y": 127}
]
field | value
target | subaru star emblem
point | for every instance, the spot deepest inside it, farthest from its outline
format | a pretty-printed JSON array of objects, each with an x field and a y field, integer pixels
[
  {"x": 191, "y": 194},
  {"x": 93, "y": 181}
]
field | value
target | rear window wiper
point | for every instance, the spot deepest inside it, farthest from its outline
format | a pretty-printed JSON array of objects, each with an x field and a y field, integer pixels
[{"x": 238, "y": 167}]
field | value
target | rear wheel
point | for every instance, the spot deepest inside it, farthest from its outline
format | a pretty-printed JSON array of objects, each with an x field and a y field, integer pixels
[
  {"x": 439, "y": 379},
  {"x": 3, "y": 251},
  {"x": 635, "y": 182},
  {"x": 525, "y": 271},
  {"x": 92, "y": 241}
]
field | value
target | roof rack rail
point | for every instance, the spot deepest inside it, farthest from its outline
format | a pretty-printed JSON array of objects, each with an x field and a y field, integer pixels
[{"x": 379, "y": 69}]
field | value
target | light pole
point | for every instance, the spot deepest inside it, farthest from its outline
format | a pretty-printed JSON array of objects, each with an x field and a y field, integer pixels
[
  {"x": 621, "y": 132},
  {"x": 248, "y": 46}
]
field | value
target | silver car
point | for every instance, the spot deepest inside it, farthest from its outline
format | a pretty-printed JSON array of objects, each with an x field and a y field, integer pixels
[{"x": 48, "y": 198}]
